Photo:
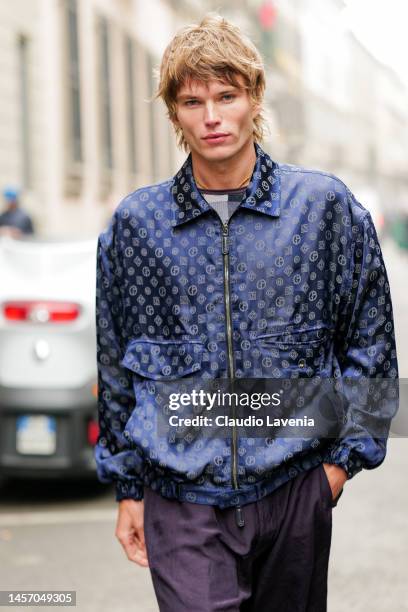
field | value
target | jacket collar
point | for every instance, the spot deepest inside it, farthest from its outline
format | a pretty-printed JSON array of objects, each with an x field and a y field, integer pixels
[{"x": 262, "y": 194}]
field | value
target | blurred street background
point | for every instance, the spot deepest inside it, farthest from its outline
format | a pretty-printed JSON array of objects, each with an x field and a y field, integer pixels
[{"x": 79, "y": 132}]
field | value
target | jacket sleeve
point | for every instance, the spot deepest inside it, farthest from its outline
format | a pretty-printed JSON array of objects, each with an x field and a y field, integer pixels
[
  {"x": 115, "y": 458},
  {"x": 366, "y": 350}
]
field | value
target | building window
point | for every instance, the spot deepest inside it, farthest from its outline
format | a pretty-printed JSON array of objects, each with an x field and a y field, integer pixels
[
  {"x": 131, "y": 103},
  {"x": 74, "y": 87},
  {"x": 23, "y": 60},
  {"x": 105, "y": 93}
]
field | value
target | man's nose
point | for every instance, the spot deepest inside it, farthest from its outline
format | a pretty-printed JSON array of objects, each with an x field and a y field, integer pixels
[{"x": 211, "y": 115}]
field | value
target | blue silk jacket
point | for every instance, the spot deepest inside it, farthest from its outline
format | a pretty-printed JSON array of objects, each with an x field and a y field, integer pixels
[{"x": 294, "y": 285}]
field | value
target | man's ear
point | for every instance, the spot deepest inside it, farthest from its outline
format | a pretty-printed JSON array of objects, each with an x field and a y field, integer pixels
[
  {"x": 256, "y": 109},
  {"x": 175, "y": 121}
]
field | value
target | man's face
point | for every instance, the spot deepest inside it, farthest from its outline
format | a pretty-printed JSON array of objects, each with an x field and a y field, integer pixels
[{"x": 216, "y": 118}]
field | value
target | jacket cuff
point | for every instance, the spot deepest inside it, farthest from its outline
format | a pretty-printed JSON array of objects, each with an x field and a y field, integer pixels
[
  {"x": 343, "y": 456},
  {"x": 129, "y": 489}
]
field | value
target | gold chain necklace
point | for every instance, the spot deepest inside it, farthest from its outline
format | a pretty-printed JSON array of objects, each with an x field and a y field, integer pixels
[{"x": 244, "y": 183}]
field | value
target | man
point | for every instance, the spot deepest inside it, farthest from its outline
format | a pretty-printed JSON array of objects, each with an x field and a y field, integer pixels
[
  {"x": 14, "y": 219},
  {"x": 238, "y": 267}
]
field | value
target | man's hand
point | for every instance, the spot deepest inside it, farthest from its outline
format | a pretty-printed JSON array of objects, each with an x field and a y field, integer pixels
[
  {"x": 130, "y": 530},
  {"x": 336, "y": 476}
]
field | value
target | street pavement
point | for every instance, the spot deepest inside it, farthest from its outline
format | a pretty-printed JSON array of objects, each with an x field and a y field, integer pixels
[{"x": 60, "y": 536}]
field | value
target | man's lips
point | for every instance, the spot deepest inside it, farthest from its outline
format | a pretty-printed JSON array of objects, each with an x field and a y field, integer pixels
[{"x": 216, "y": 137}]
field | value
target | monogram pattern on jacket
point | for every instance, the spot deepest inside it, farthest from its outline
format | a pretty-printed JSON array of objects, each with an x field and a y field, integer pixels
[{"x": 309, "y": 296}]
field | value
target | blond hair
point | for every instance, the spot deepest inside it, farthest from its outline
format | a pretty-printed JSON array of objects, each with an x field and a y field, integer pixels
[{"x": 212, "y": 50}]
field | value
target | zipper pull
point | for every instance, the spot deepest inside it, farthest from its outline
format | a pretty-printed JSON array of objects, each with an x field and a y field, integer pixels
[
  {"x": 225, "y": 239},
  {"x": 239, "y": 516}
]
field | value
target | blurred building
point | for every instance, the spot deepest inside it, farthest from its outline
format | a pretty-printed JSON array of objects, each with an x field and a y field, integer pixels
[
  {"x": 391, "y": 133},
  {"x": 335, "y": 106},
  {"x": 79, "y": 130}
]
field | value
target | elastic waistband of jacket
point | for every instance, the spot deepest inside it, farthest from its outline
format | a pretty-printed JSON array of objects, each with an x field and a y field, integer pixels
[{"x": 227, "y": 497}]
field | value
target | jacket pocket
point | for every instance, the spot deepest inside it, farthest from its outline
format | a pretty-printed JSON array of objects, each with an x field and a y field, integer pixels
[
  {"x": 165, "y": 360},
  {"x": 292, "y": 353},
  {"x": 161, "y": 368}
]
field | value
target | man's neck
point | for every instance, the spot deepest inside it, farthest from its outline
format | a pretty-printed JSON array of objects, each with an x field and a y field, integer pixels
[{"x": 225, "y": 174}]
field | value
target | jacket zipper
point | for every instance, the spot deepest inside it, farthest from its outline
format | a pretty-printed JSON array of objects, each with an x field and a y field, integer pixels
[{"x": 239, "y": 517}]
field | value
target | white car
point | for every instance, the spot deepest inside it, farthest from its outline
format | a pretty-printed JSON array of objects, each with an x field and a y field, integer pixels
[{"x": 48, "y": 413}]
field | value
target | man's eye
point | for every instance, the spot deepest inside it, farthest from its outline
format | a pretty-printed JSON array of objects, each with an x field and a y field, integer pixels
[
  {"x": 228, "y": 97},
  {"x": 191, "y": 102}
]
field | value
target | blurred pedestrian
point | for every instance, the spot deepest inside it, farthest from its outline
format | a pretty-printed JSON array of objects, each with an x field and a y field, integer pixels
[{"x": 14, "y": 220}]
